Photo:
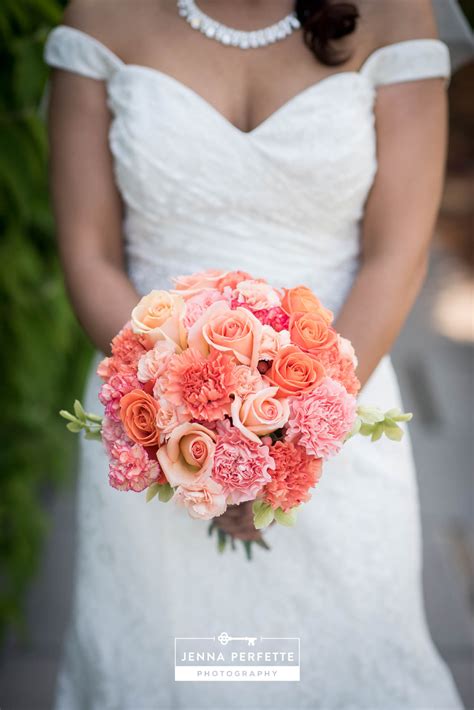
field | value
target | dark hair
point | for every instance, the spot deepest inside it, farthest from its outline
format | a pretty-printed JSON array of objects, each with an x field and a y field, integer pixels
[{"x": 323, "y": 22}]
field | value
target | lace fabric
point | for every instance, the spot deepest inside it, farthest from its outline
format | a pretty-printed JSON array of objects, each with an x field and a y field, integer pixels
[{"x": 200, "y": 193}]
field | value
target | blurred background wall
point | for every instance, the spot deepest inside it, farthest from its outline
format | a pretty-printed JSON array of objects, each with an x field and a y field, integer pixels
[{"x": 44, "y": 358}]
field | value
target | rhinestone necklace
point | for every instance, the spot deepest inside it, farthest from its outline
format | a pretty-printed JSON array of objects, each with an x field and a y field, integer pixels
[{"x": 198, "y": 20}]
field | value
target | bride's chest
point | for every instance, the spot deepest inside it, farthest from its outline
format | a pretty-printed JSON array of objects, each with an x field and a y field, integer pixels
[{"x": 172, "y": 148}]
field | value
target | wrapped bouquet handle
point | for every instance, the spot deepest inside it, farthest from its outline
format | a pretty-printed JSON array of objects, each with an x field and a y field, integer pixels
[{"x": 224, "y": 390}]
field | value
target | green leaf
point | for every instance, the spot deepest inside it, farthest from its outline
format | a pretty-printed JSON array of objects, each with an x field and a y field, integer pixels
[
  {"x": 67, "y": 415},
  {"x": 75, "y": 427},
  {"x": 366, "y": 429},
  {"x": 288, "y": 518},
  {"x": 393, "y": 432},
  {"x": 93, "y": 435},
  {"x": 377, "y": 432},
  {"x": 79, "y": 411},
  {"x": 94, "y": 417},
  {"x": 370, "y": 415},
  {"x": 263, "y": 514},
  {"x": 165, "y": 492},
  {"x": 152, "y": 491}
]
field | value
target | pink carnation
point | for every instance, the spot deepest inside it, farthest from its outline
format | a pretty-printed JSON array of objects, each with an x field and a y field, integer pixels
[
  {"x": 295, "y": 473},
  {"x": 247, "y": 381},
  {"x": 111, "y": 392},
  {"x": 196, "y": 305},
  {"x": 131, "y": 469},
  {"x": 276, "y": 316},
  {"x": 320, "y": 421},
  {"x": 258, "y": 295},
  {"x": 241, "y": 466},
  {"x": 127, "y": 348},
  {"x": 203, "y": 385},
  {"x": 152, "y": 364}
]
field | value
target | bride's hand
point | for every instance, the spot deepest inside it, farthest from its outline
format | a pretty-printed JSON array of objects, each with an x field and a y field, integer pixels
[{"x": 238, "y": 521}]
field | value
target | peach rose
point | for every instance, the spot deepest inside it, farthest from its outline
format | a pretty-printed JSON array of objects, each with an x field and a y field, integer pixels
[
  {"x": 188, "y": 455},
  {"x": 159, "y": 316},
  {"x": 260, "y": 413},
  {"x": 311, "y": 332},
  {"x": 188, "y": 285},
  {"x": 202, "y": 502},
  {"x": 138, "y": 412},
  {"x": 302, "y": 299},
  {"x": 221, "y": 328},
  {"x": 294, "y": 371}
]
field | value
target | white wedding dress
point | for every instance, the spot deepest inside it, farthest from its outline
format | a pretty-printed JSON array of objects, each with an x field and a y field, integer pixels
[{"x": 284, "y": 202}]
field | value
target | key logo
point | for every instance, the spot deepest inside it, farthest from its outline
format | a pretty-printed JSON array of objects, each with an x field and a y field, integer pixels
[{"x": 237, "y": 658}]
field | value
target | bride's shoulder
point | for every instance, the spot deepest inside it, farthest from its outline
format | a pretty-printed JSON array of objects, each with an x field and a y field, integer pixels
[
  {"x": 390, "y": 21},
  {"x": 115, "y": 23}
]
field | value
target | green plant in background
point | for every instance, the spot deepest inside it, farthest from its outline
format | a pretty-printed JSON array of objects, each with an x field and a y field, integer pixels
[{"x": 43, "y": 355}]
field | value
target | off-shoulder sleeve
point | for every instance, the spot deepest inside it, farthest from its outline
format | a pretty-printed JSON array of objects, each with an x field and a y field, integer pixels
[
  {"x": 73, "y": 50},
  {"x": 410, "y": 60}
]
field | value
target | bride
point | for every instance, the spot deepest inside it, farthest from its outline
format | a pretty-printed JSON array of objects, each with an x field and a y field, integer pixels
[{"x": 311, "y": 154}]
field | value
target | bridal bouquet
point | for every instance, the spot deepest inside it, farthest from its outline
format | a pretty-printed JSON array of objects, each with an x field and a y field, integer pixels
[{"x": 224, "y": 390}]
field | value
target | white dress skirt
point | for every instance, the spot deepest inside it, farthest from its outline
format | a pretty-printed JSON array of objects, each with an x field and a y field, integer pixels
[{"x": 285, "y": 202}]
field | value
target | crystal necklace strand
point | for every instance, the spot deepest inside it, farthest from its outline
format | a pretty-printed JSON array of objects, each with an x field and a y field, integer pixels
[{"x": 198, "y": 20}]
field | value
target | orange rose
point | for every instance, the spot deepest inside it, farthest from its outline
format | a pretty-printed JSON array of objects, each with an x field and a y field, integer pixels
[
  {"x": 220, "y": 328},
  {"x": 159, "y": 316},
  {"x": 302, "y": 299},
  {"x": 294, "y": 371},
  {"x": 138, "y": 411},
  {"x": 311, "y": 332}
]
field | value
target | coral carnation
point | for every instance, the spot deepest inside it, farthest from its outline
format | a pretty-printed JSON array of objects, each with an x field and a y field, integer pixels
[
  {"x": 339, "y": 366},
  {"x": 203, "y": 385},
  {"x": 295, "y": 473}
]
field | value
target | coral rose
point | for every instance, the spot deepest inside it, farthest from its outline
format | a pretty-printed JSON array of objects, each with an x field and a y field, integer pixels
[
  {"x": 260, "y": 413},
  {"x": 188, "y": 455},
  {"x": 311, "y": 332},
  {"x": 236, "y": 331},
  {"x": 302, "y": 299},
  {"x": 202, "y": 502},
  {"x": 159, "y": 316},
  {"x": 138, "y": 412},
  {"x": 295, "y": 372}
]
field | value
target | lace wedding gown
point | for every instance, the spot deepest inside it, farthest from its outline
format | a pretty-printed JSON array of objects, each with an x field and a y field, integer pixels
[{"x": 285, "y": 202}]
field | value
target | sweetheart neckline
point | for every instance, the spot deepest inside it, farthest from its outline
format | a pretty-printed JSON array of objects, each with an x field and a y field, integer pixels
[{"x": 274, "y": 115}]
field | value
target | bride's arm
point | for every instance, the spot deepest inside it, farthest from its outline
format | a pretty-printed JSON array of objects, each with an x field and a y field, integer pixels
[
  {"x": 401, "y": 210},
  {"x": 399, "y": 218},
  {"x": 87, "y": 206}
]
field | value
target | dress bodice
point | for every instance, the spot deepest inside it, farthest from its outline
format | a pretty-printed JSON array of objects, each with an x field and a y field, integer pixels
[{"x": 283, "y": 201}]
